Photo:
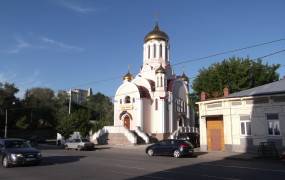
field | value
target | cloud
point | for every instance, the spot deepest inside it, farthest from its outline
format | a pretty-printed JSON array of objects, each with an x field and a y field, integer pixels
[
  {"x": 20, "y": 45},
  {"x": 60, "y": 44},
  {"x": 76, "y": 7}
]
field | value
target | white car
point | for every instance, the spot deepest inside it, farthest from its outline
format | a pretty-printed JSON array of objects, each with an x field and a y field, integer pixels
[{"x": 79, "y": 144}]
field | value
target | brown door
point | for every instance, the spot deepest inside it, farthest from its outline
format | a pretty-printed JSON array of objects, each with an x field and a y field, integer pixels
[
  {"x": 127, "y": 122},
  {"x": 215, "y": 134}
]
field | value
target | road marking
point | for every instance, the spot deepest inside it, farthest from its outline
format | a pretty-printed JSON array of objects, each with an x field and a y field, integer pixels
[{"x": 243, "y": 167}]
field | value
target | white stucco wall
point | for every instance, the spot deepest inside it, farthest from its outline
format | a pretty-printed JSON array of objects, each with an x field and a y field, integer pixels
[{"x": 231, "y": 120}]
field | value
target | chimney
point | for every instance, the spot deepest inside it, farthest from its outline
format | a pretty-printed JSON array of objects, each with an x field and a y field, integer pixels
[
  {"x": 203, "y": 96},
  {"x": 226, "y": 91}
]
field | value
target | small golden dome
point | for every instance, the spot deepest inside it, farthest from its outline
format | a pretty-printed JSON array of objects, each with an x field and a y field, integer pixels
[
  {"x": 184, "y": 77},
  {"x": 160, "y": 70},
  {"x": 128, "y": 76},
  {"x": 156, "y": 33}
]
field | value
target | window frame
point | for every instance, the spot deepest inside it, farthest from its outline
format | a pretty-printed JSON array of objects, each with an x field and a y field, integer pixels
[
  {"x": 245, "y": 121},
  {"x": 273, "y": 121}
]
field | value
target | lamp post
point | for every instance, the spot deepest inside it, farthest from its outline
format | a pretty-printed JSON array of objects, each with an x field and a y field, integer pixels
[{"x": 6, "y": 121}]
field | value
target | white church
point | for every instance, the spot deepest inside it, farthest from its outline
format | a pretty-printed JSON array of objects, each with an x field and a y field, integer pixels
[{"x": 153, "y": 103}]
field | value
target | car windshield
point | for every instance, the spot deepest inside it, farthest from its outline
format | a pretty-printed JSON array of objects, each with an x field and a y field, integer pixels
[
  {"x": 85, "y": 140},
  {"x": 17, "y": 144}
]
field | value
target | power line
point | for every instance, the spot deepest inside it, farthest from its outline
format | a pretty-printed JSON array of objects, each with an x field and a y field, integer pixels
[
  {"x": 227, "y": 52},
  {"x": 264, "y": 56},
  {"x": 191, "y": 60}
]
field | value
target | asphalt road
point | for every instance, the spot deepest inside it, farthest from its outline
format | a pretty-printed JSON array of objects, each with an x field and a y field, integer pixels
[{"x": 133, "y": 163}]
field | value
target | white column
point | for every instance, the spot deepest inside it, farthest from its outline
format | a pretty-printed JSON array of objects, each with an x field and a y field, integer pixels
[{"x": 162, "y": 115}]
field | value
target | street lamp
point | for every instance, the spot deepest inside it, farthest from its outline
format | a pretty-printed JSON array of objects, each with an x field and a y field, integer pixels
[{"x": 6, "y": 120}]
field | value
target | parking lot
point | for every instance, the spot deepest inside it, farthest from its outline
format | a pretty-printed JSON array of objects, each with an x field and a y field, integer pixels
[{"x": 130, "y": 162}]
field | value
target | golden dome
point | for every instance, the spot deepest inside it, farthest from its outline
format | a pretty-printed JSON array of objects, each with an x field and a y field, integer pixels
[
  {"x": 184, "y": 77},
  {"x": 160, "y": 70},
  {"x": 128, "y": 76},
  {"x": 156, "y": 33}
]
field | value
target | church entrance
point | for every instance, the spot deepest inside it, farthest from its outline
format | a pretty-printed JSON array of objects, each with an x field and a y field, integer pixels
[{"x": 127, "y": 122}]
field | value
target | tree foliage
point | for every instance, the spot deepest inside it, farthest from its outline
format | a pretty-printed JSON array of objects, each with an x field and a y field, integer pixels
[{"x": 235, "y": 73}]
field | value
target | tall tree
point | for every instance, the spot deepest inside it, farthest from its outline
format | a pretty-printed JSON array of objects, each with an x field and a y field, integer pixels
[
  {"x": 235, "y": 73},
  {"x": 40, "y": 103}
]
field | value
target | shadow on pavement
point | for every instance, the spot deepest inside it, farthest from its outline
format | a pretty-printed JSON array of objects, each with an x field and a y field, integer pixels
[
  {"x": 52, "y": 160},
  {"x": 224, "y": 169},
  {"x": 101, "y": 148}
]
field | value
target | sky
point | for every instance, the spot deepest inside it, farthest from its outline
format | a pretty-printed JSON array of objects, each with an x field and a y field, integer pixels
[{"x": 63, "y": 44}]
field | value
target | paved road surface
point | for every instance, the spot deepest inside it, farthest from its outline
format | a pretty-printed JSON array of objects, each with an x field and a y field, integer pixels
[{"x": 133, "y": 163}]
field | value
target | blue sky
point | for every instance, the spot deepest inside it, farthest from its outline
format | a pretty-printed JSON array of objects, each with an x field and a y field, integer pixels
[{"x": 78, "y": 43}]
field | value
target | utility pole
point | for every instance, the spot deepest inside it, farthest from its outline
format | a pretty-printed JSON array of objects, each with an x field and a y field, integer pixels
[
  {"x": 69, "y": 106},
  {"x": 6, "y": 123}
]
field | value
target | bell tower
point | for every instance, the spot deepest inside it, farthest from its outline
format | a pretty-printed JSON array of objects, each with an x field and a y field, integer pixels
[{"x": 155, "y": 53}]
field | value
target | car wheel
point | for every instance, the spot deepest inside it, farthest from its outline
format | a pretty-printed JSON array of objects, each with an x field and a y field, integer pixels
[
  {"x": 79, "y": 148},
  {"x": 5, "y": 162},
  {"x": 150, "y": 152},
  {"x": 177, "y": 154}
]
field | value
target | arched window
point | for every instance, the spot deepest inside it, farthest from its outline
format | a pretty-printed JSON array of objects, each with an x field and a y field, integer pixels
[
  {"x": 148, "y": 51},
  {"x": 127, "y": 99},
  {"x": 157, "y": 82},
  {"x": 160, "y": 50},
  {"x": 166, "y": 53},
  {"x": 154, "y": 51},
  {"x": 156, "y": 104}
]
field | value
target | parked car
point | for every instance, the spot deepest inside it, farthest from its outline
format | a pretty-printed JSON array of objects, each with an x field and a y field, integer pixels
[
  {"x": 79, "y": 144},
  {"x": 172, "y": 147},
  {"x": 18, "y": 152},
  {"x": 193, "y": 138}
]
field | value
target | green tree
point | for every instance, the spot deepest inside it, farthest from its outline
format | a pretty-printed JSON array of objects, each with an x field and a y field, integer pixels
[
  {"x": 40, "y": 105},
  {"x": 78, "y": 120},
  {"x": 235, "y": 73}
]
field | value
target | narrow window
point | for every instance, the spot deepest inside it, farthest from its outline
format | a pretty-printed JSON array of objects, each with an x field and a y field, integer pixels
[
  {"x": 157, "y": 82},
  {"x": 273, "y": 124},
  {"x": 166, "y": 54},
  {"x": 160, "y": 50},
  {"x": 161, "y": 83},
  {"x": 120, "y": 101},
  {"x": 156, "y": 104},
  {"x": 134, "y": 100},
  {"x": 127, "y": 99},
  {"x": 154, "y": 51},
  {"x": 148, "y": 49}
]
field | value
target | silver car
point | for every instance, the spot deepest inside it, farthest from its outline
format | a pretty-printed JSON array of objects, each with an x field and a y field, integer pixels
[{"x": 79, "y": 144}]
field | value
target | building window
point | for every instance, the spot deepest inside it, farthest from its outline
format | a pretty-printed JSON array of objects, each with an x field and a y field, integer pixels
[
  {"x": 245, "y": 125},
  {"x": 166, "y": 54},
  {"x": 160, "y": 50},
  {"x": 154, "y": 51},
  {"x": 127, "y": 99},
  {"x": 156, "y": 104},
  {"x": 134, "y": 100},
  {"x": 161, "y": 82},
  {"x": 273, "y": 124},
  {"x": 148, "y": 53},
  {"x": 120, "y": 101}
]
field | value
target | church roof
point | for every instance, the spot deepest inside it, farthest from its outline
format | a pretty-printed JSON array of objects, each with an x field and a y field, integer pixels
[
  {"x": 156, "y": 33},
  {"x": 160, "y": 69},
  {"x": 143, "y": 92}
]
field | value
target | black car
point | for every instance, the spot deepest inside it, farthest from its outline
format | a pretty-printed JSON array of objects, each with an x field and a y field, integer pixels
[
  {"x": 18, "y": 152},
  {"x": 173, "y": 147}
]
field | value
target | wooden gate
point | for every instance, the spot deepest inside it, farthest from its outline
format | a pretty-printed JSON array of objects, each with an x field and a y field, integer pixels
[
  {"x": 215, "y": 133},
  {"x": 127, "y": 122}
]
